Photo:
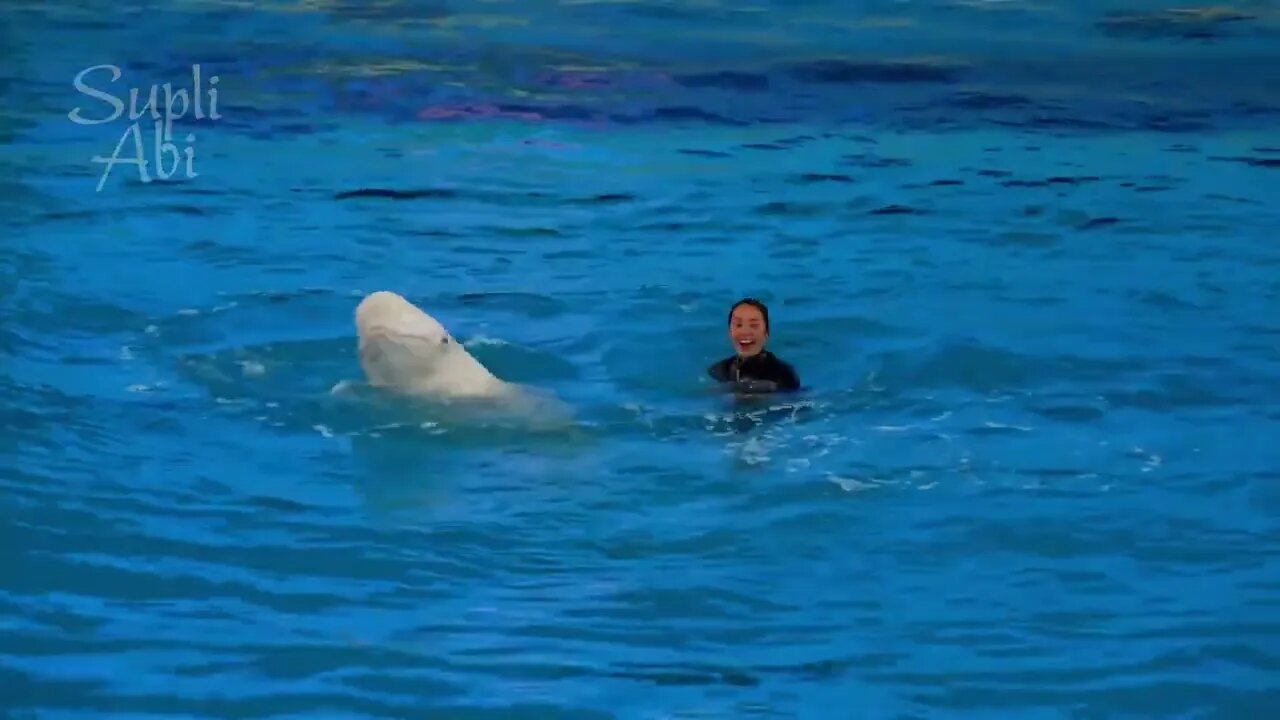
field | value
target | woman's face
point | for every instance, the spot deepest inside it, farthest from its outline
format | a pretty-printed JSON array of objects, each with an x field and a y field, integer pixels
[{"x": 747, "y": 331}]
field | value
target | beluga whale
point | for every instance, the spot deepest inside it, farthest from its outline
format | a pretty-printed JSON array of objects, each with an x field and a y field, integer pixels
[{"x": 405, "y": 351}]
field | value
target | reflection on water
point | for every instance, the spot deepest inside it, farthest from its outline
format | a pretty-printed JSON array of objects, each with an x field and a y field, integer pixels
[{"x": 1057, "y": 66}]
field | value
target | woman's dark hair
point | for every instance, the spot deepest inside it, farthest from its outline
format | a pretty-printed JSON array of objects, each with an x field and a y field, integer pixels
[{"x": 764, "y": 311}]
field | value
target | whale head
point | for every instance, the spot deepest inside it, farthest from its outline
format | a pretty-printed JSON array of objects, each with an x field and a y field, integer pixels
[{"x": 403, "y": 348}]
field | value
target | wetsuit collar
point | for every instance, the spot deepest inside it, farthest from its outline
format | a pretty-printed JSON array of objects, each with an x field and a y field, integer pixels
[{"x": 739, "y": 361}]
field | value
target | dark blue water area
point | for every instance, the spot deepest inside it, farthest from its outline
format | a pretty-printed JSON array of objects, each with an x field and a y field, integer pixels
[{"x": 1022, "y": 255}]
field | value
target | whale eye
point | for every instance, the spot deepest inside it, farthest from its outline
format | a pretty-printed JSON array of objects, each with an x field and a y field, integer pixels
[{"x": 444, "y": 341}]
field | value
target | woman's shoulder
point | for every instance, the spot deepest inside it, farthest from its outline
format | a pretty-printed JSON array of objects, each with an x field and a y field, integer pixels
[
  {"x": 784, "y": 373},
  {"x": 773, "y": 358}
]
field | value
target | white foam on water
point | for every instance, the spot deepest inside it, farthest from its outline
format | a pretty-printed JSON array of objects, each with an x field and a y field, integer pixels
[
  {"x": 252, "y": 368},
  {"x": 484, "y": 340}
]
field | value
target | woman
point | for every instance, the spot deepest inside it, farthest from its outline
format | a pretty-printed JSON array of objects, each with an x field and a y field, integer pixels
[{"x": 753, "y": 369}]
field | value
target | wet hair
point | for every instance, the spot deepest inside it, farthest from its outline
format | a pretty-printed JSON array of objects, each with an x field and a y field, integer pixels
[{"x": 764, "y": 310}]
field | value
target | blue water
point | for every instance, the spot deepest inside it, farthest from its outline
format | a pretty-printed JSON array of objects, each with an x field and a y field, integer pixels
[{"x": 1022, "y": 254}]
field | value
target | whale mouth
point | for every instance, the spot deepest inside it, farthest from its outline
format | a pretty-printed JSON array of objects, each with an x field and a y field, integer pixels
[{"x": 396, "y": 332}]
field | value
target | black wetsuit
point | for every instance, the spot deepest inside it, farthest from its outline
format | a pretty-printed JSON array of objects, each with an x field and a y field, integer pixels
[{"x": 760, "y": 373}]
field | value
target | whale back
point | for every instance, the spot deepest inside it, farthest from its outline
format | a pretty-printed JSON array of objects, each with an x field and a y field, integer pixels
[{"x": 403, "y": 348}]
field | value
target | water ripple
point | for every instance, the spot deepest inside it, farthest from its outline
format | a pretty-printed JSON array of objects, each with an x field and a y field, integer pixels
[{"x": 1027, "y": 281}]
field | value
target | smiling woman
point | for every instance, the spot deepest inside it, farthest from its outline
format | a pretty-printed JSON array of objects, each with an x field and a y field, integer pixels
[
  {"x": 1026, "y": 261},
  {"x": 753, "y": 369}
]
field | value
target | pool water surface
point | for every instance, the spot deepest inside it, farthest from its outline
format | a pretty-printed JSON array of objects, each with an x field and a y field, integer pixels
[{"x": 1022, "y": 255}]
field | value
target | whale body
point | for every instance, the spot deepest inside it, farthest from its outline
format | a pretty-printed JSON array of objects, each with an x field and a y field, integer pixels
[{"x": 403, "y": 349}]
